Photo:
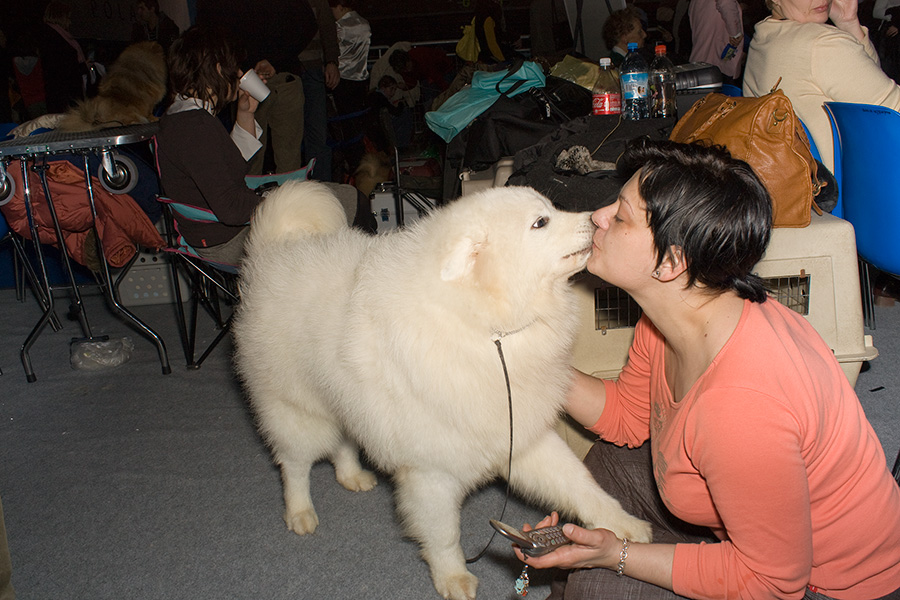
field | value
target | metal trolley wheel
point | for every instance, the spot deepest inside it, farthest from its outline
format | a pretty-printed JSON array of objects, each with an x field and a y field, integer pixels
[
  {"x": 124, "y": 177},
  {"x": 7, "y": 188}
]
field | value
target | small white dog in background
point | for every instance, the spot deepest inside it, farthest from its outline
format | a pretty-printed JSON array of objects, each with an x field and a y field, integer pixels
[{"x": 388, "y": 342}]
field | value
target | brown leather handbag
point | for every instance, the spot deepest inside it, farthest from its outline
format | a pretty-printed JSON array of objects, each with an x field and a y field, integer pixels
[{"x": 766, "y": 134}]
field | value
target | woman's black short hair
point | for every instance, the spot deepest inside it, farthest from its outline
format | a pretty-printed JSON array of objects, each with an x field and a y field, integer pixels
[
  {"x": 711, "y": 206},
  {"x": 203, "y": 64}
]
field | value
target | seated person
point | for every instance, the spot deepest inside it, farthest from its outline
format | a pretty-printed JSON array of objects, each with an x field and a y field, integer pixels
[
  {"x": 747, "y": 448},
  {"x": 389, "y": 121},
  {"x": 200, "y": 164},
  {"x": 621, "y": 28},
  {"x": 424, "y": 65},
  {"x": 813, "y": 63}
]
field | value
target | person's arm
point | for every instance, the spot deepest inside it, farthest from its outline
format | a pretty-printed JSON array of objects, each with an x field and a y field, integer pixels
[
  {"x": 730, "y": 11},
  {"x": 216, "y": 167},
  {"x": 246, "y": 131},
  {"x": 622, "y": 408},
  {"x": 844, "y": 15},
  {"x": 586, "y": 399},
  {"x": 331, "y": 51},
  {"x": 600, "y": 548},
  {"x": 850, "y": 72}
]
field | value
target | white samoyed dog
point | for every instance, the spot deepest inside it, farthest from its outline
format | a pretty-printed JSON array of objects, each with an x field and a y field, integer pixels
[{"x": 388, "y": 343}]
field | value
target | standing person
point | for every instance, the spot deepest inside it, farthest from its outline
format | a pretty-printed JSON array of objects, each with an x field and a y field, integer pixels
[
  {"x": 762, "y": 476},
  {"x": 319, "y": 60},
  {"x": 717, "y": 28},
  {"x": 200, "y": 164},
  {"x": 269, "y": 42},
  {"x": 354, "y": 37},
  {"x": 63, "y": 62},
  {"x": 813, "y": 63},
  {"x": 490, "y": 29},
  {"x": 153, "y": 25}
]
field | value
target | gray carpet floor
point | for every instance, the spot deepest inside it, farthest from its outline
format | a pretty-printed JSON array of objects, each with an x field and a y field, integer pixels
[{"x": 126, "y": 483}]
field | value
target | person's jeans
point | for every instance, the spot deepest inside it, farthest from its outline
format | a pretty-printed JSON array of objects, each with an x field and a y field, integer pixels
[{"x": 315, "y": 117}]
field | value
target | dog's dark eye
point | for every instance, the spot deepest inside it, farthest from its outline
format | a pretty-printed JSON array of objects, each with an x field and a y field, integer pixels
[{"x": 541, "y": 222}]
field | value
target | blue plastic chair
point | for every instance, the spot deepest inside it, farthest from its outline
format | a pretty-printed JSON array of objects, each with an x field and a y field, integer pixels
[
  {"x": 732, "y": 90},
  {"x": 866, "y": 142}
]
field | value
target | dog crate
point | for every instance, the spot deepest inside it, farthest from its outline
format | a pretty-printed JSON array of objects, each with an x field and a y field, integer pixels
[
  {"x": 811, "y": 270},
  {"x": 383, "y": 202},
  {"x": 494, "y": 176},
  {"x": 149, "y": 281}
]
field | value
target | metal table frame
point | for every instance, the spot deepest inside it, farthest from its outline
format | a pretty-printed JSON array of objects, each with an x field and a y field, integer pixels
[{"x": 33, "y": 151}]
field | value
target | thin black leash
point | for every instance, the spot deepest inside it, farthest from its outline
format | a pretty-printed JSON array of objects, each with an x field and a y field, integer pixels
[{"x": 498, "y": 336}]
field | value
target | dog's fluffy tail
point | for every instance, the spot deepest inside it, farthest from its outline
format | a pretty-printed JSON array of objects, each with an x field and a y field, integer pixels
[{"x": 296, "y": 208}]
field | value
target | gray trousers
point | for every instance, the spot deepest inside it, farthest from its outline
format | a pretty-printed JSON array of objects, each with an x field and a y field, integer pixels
[
  {"x": 281, "y": 117},
  {"x": 626, "y": 474}
]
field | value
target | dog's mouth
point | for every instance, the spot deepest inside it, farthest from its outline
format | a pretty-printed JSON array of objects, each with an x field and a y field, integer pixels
[{"x": 584, "y": 251}]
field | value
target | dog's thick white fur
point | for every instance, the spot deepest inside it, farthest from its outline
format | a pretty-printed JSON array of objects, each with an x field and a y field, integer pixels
[{"x": 346, "y": 340}]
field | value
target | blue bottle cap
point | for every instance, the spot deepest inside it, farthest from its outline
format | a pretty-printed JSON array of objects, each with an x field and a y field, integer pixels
[{"x": 632, "y": 46}]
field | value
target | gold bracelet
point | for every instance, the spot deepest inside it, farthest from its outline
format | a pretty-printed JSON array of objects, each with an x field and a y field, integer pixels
[{"x": 620, "y": 568}]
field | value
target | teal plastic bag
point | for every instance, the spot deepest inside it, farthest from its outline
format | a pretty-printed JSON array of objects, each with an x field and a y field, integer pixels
[{"x": 464, "y": 106}]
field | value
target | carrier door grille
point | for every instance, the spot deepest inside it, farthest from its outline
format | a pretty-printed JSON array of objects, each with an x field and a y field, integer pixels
[{"x": 615, "y": 309}]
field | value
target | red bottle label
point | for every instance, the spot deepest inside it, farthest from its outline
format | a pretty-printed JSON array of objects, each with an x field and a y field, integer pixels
[{"x": 607, "y": 104}]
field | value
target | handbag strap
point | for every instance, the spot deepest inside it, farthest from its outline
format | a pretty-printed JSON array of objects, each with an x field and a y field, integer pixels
[
  {"x": 512, "y": 70},
  {"x": 726, "y": 106}
]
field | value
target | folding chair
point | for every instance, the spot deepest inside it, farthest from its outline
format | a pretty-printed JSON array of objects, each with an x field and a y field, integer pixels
[{"x": 211, "y": 283}]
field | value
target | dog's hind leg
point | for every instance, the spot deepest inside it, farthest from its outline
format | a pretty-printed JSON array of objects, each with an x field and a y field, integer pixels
[
  {"x": 548, "y": 472},
  {"x": 429, "y": 504},
  {"x": 298, "y": 438},
  {"x": 348, "y": 471}
]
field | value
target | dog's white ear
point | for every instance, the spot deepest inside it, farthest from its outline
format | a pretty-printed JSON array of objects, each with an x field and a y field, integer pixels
[{"x": 460, "y": 259}]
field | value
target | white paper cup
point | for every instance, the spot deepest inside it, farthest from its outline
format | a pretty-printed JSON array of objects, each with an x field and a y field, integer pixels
[{"x": 253, "y": 85}]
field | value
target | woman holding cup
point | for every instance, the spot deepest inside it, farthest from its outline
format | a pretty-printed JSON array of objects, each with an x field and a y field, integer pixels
[{"x": 200, "y": 164}]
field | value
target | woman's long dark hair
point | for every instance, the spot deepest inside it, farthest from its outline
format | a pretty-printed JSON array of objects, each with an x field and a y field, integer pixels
[{"x": 711, "y": 206}]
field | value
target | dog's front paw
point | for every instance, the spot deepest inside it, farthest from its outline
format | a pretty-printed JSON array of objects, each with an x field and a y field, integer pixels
[
  {"x": 635, "y": 530},
  {"x": 358, "y": 481},
  {"x": 302, "y": 521},
  {"x": 460, "y": 586}
]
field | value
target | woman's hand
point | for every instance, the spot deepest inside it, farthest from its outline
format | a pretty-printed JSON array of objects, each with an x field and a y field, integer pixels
[
  {"x": 843, "y": 14},
  {"x": 332, "y": 76},
  {"x": 246, "y": 103},
  {"x": 246, "y": 107},
  {"x": 590, "y": 548},
  {"x": 265, "y": 70}
]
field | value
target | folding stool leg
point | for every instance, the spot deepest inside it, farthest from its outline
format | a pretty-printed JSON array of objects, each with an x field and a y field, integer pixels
[
  {"x": 868, "y": 294},
  {"x": 112, "y": 292}
]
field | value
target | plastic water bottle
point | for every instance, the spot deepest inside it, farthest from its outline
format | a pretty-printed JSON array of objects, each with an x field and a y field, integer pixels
[
  {"x": 607, "y": 92},
  {"x": 634, "y": 75},
  {"x": 662, "y": 85}
]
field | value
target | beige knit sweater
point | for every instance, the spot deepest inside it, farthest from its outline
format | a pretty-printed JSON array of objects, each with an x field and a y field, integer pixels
[{"x": 816, "y": 63}]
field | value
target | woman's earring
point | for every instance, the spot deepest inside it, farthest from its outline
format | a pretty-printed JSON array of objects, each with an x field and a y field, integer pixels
[{"x": 656, "y": 274}]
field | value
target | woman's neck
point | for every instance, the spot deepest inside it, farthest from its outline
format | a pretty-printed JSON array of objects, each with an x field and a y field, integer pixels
[{"x": 694, "y": 323}]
